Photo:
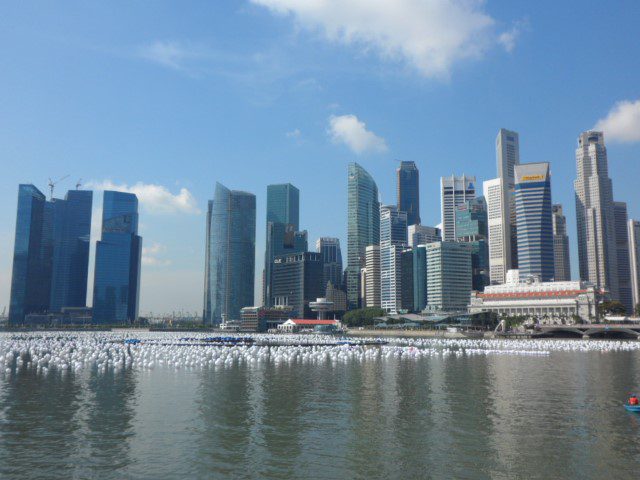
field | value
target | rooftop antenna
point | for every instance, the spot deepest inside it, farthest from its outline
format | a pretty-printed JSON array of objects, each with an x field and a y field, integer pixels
[
  {"x": 78, "y": 184},
  {"x": 52, "y": 184}
]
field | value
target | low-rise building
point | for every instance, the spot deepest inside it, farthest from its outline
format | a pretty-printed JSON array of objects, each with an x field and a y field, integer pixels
[
  {"x": 298, "y": 324},
  {"x": 544, "y": 302},
  {"x": 261, "y": 319}
]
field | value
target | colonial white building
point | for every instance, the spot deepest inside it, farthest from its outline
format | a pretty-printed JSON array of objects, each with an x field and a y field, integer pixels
[{"x": 545, "y": 302}]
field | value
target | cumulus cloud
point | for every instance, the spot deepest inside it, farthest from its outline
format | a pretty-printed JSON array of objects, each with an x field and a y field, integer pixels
[
  {"x": 429, "y": 35},
  {"x": 152, "y": 256},
  {"x": 348, "y": 129},
  {"x": 154, "y": 198},
  {"x": 622, "y": 124}
]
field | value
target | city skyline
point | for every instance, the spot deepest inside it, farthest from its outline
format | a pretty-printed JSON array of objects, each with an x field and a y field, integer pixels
[{"x": 162, "y": 113}]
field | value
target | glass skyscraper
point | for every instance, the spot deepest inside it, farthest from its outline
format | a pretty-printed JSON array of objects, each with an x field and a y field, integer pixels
[
  {"x": 116, "y": 286},
  {"x": 363, "y": 227},
  {"x": 332, "y": 260},
  {"x": 409, "y": 191},
  {"x": 534, "y": 222},
  {"x": 297, "y": 280},
  {"x": 283, "y": 237},
  {"x": 71, "y": 230},
  {"x": 230, "y": 255},
  {"x": 472, "y": 228},
  {"x": 30, "y": 280}
]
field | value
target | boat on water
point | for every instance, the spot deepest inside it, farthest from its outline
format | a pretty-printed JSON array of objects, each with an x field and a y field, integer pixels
[{"x": 632, "y": 408}]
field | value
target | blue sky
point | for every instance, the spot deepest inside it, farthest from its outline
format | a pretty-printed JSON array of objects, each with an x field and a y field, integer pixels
[{"x": 166, "y": 98}]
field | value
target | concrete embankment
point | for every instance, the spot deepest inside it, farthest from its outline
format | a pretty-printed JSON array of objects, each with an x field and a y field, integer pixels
[{"x": 405, "y": 333}]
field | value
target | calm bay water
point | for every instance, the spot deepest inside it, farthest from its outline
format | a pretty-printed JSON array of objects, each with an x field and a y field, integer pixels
[{"x": 454, "y": 417}]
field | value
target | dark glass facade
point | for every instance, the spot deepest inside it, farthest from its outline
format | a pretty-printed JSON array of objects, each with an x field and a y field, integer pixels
[
  {"x": 472, "y": 228},
  {"x": 230, "y": 255},
  {"x": 116, "y": 289},
  {"x": 71, "y": 230},
  {"x": 406, "y": 268},
  {"x": 409, "y": 191},
  {"x": 29, "y": 280},
  {"x": 329, "y": 247},
  {"x": 297, "y": 280},
  {"x": 419, "y": 278},
  {"x": 283, "y": 204}
]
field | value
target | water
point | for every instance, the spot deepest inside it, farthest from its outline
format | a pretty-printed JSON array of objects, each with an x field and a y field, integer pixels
[{"x": 442, "y": 416}]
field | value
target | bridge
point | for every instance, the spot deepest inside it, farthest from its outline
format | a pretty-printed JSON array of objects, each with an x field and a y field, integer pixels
[{"x": 591, "y": 330}]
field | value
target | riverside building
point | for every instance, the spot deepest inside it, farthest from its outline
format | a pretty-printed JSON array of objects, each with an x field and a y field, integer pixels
[
  {"x": 449, "y": 277},
  {"x": 634, "y": 260},
  {"x": 625, "y": 289},
  {"x": 545, "y": 302},
  {"x": 393, "y": 240},
  {"x": 454, "y": 191},
  {"x": 562, "y": 266}
]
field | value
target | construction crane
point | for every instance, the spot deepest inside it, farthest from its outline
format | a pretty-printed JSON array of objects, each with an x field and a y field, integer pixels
[
  {"x": 52, "y": 184},
  {"x": 78, "y": 184}
]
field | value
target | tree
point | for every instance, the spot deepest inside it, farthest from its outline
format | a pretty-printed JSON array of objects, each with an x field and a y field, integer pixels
[
  {"x": 362, "y": 316},
  {"x": 612, "y": 308}
]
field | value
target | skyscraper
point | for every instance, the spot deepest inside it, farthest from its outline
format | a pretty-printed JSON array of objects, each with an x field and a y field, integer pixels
[
  {"x": 534, "y": 220},
  {"x": 332, "y": 259},
  {"x": 454, "y": 191},
  {"x": 422, "y": 234},
  {"x": 408, "y": 189},
  {"x": 283, "y": 237},
  {"x": 116, "y": 285},
  {"x": 393, "y": 239},
  {"x": 634, "y": 260},
  {"x": 471, "y": 228},
  {"x": 372, "y": 276},
  {"x": 230, "y": 254},
  {"x": 71, "y": 230},
  {"x": 623, "y": 257},
  {"x": 594, "y": 214},
  {"x": 419, "y": 277},
  {"x": 562, "y": 266},
  {"x": 507, "y": 157},
  {"x": 30, "y": 279},
  {"x": 363, "y": 228},
  {"x": 499, "y": 242},
  {"x": 297, "y": 280},
  {"x": 449, "y": 280}
]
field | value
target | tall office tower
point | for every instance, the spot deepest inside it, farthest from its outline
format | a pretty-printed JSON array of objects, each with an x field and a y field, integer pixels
[
  {"x": 507, "y": 157},
  {"x": 116, "y": 284},
  {"x": 393, "y": 239},
  {"x": 562, "y": 266},
  {"x": 625, "y": 290},
  {"x": 409, "y": 191},
  {"x": 71, "y": 231},
  {"x": 283, "y": 204},
  {"x": 31, "y": 275},
  {"x": 406, "y": 280},
  {"x": 283, "y": 237},
  {"x": 534, "y": 220},
  {"x": 230, "y": 254},
  {"x": 421, "y": 235},
  {"x": 471, "y": 228},
  {"x": 454, "y": 191},
  {"x": 297, "y": 280},
  {"x": 372, "y": 276},
  {"x": 449, "y": 281},
  {"x": 594, "y": 214},
  {"x": 634, "y": 259},
  {"x": 419, "y": 278},
  {"x": 363, "y": 227},
  {"x": 332, "y": 258},
  {"x": 499, "y": 243}
]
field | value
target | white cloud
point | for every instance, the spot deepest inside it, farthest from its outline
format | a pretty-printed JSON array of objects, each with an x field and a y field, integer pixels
[
  {"x": 295, "y": 133},
  {"x": 622, "y": 124},
  {"x": 152, "y": 256},
  {"x": 154, "y": 198},
  {"x": 429, "y": 35},
  {"x": 170, "y": 54},
  {"x": 353, "y": 133}
]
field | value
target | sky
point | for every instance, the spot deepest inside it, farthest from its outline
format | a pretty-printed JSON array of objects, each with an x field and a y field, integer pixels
[{"x": 166, "y": 98}]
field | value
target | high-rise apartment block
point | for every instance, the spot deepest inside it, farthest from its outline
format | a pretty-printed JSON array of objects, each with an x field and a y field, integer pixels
[
  {"x": 562, "y": 265},
  {"x": 230, "y": 255},
  {"x": 116, "y": 286},
  {"x": 454, "y": 192},
  {"x": 408, "y": 190},
  {"x": 534, "y": 221},
  {"x": 594, "y": 214},
  {"x": 363, "y": 228}
]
